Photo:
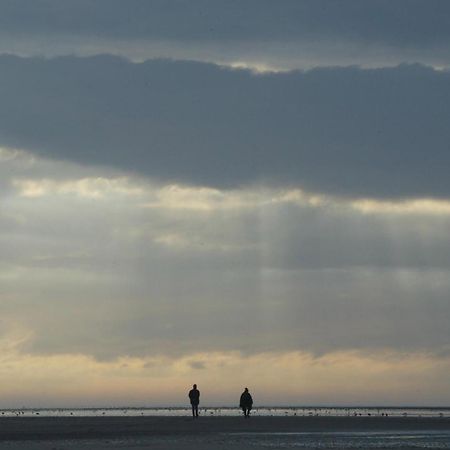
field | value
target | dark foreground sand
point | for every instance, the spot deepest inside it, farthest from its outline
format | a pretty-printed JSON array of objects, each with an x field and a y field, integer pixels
[{"x": 222, "y": 433}]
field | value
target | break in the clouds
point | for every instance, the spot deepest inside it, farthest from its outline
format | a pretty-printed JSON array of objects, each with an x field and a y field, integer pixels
[
  {"x": 259, "y": 34},
  {"x": 342, "y": 131},
  {"x": 110, "y": 267}
]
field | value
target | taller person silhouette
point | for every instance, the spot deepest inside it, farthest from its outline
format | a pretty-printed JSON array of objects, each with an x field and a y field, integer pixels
[{"x": 194, "y": 397}]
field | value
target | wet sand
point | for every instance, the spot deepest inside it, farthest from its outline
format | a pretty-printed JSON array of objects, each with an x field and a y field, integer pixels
[{"x": 162, "y": 433}]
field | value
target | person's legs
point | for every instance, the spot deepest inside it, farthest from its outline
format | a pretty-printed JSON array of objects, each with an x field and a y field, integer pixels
[
  {"x": 245, "y": 411},
  {"x": 196, "y": 410},
  {"x": 193, "y": 410}
]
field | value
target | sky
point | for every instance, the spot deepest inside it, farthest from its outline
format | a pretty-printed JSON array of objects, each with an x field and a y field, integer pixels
[{"x": 228, "y": 193}]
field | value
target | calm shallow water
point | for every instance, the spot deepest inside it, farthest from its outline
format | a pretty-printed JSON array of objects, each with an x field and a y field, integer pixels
[{"x": 226, "y": 411}]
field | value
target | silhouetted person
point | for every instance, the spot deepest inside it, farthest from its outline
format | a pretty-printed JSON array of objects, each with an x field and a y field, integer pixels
[
  {"x": 194, "y": 396},
  {"x": 246, "y": 402}
]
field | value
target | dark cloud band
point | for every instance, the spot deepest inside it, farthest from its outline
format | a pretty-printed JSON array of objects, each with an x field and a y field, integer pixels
[
  {"x": 346, "y": 131},
  {"x": 399, "y": 23}
]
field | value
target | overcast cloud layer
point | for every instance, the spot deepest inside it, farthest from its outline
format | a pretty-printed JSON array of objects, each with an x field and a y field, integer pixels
[
  {"x": 344, "y": 131},
  {"x": 259, "y": 34},
  {"x": 411, "y": 22}
]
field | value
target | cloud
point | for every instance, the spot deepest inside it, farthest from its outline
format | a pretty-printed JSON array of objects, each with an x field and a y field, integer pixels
[
  {"x": 251, "y": 32},
  {"x": 341, "y": 131},
  {"x": 111, "y": 266},
  {"x": 273, "y": 378},
  {"x": 197, "y": 365},
  {"x": 203, "y": 19},
  {"x": 194, "y": 209}
]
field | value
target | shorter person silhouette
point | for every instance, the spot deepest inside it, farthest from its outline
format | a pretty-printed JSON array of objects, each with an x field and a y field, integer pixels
[
  {"x": 246, "y": 402},
  {"x": 194, "y": 396}
]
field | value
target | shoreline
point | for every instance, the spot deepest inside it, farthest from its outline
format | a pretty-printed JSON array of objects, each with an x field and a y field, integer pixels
[{"x": 79, "y": 428}]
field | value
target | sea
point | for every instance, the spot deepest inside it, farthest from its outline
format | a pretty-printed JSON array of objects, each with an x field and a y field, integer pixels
[{"x": 330, "y": 411}]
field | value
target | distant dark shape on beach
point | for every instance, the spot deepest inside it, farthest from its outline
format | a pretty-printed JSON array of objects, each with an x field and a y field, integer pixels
[
  {"x": 194, "y": 397},
  {"x": 246, "y": 402}
]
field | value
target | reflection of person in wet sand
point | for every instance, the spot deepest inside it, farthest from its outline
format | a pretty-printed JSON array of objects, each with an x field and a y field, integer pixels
[
  {"x": 246, "y": 402},
  {"x": 194, "y": 396}
]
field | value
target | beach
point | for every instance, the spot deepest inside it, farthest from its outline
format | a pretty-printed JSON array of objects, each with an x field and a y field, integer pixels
[{"x": 223, "y": 433}]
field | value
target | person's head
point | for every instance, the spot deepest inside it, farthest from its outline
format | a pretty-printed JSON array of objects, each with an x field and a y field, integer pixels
[
  {"x": 246, "y": 390},
  {"x": 195, "y": 386}
]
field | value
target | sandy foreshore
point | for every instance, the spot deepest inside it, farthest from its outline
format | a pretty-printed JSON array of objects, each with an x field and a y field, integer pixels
[
  {"x": 94, "y": 427},
  {"x": 184, "y": 432}
]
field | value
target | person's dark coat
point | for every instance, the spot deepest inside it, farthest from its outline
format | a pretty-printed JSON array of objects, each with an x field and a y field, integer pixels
[
  {"x": 194, "y": 396},
  {"x": 246, "y": 400}
]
